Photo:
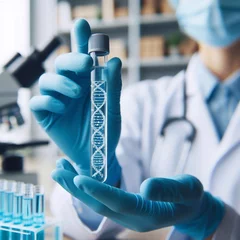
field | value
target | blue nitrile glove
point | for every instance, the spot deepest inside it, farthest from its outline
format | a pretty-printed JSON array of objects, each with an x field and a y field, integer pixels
[
  {"x": 179, "y": 201},
  {"x": 63, "y": 109}
]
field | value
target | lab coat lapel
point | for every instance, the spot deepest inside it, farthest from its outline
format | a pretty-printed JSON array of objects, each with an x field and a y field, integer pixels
[
  {"x": 206, "y": 144},
  {"x": 231, "y": 137}
]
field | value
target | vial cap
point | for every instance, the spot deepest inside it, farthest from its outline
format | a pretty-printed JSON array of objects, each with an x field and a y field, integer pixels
[{"x": 99, "y": 43}]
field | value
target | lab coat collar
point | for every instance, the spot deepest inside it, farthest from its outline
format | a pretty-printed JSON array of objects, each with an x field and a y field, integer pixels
[
  {"x": 206, "y": 81},
  {"x": 197, "y": 73},
  {"x": 231, "y": 138},
  {"x": 190, "y": 76}
]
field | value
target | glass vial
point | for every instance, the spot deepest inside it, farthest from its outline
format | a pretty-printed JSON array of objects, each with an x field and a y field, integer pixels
[
  {"x": 18, "y": 203},
  {"x": 39, "y": 206},
  {"x": 8, "y": 202},
  {"x": 17, "y": 210},
  {"x": 99, "y": 50},
  {"x": 28, "y": 211},
  {"x": 3, "y": 186},
  {"x": 28, "y": 205},
  {"x": 39, "y": 210}
]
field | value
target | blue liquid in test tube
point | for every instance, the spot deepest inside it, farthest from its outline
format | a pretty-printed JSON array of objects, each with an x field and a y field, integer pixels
[
  {"x": 28, "y": 210},
  {"x": 39, "y": 211},
  {"x": 8, "y": 207},
  {"x": 17, "y": 209},
  {"x": 3, "y": 185}
]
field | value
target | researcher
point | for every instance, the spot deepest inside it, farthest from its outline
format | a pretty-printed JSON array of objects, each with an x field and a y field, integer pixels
[{"x": 173, "y": 143}]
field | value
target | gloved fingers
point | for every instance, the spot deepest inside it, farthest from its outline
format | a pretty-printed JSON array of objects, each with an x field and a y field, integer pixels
[
  {"x": 114, "y": 86},
  {"x": 66, "y": 165},
  {"x": 82, "y": 33},
  {"x": 65, "y": 179},
  {"x": 74, "y": 65},
  {"x": 43, "y": 105},
  {"x": 115, "y": 199},
  {"x": 180, "y": 189},
  {"x": 51, "y": 83}
]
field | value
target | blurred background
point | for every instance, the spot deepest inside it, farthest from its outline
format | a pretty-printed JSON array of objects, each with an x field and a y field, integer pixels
[{"x": 144, "y": 34}]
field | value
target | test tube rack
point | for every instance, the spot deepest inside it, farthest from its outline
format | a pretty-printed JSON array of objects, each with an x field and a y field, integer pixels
[
  {"x": 22, "y": 213},
  {"x": 51, "y": 229}
]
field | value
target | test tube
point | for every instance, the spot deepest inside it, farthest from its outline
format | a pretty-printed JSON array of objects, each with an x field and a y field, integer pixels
[
  {"x": 8, "y": 208},
  {"x": 17, "y": 210},
  {"x": 28, "y": 198},
  {"x": 18, "y": 203},
  {"x": 39, "y": 211},
  {"x": 3, "y": 185},
  {"x": 8, "y": 201},
  {"x": 28, "y": 205},
  {"x": 99, "y": 50}
]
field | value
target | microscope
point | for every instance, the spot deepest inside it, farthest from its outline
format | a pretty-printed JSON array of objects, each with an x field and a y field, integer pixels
[{"x": 19, "y": 72}]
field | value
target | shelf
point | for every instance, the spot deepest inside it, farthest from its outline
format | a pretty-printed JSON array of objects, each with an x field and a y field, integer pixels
[
  {"x": 180, "y": 61},
  {"x": 102, "y": 25},
  {"x": 111, "y": 24},
  {"x": 117, "y": 23},
  {"x": 157, "y": 19},
  {"x": 165, "y": 62}
]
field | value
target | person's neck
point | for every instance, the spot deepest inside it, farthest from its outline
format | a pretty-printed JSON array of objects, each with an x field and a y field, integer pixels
[{"x": 222, "y": 62}]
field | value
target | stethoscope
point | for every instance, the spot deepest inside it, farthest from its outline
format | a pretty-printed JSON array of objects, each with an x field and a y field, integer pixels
[{"x": 190, "y": 137}]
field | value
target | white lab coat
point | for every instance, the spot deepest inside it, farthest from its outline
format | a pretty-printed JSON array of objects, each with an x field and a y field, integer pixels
[{"x": 145, "y": 106}]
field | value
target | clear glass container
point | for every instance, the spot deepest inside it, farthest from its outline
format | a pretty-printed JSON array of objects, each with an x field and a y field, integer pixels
[
  {"x": 99, "y": 117},
  {"x": 39, "y": 206},
  {"x": 18, "y": 203}
]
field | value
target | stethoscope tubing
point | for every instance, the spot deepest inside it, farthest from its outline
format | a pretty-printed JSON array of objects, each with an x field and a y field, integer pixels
[{"x": 189, "y": 140}]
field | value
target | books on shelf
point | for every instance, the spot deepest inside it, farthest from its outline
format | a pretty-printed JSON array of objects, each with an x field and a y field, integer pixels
[
  {"x": 86, "y": 11},
  {"x": 108, "y": 8},
  {"x": 152, "y": 46},
  {"x": 118, "y": 49},
  {"x": 150, "y": 7}
]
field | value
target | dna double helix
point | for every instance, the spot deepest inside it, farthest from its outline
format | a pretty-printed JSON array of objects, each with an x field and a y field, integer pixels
[{"x": 98, "y": 124}]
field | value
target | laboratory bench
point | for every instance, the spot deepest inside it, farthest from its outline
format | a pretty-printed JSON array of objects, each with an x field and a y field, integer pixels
[{"x": 130, "y": 235}]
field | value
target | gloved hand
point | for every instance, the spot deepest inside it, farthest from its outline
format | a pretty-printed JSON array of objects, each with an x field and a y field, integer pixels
[
  {"x": 162, "y": 202},
  {"x": 63, "y": 109}
]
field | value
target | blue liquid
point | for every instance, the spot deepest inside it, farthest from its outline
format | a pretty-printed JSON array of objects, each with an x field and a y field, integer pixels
[
  {"x": 1, "y": 204},
  {"x": 99, "y": 124},
  {"x": 28, "y": 236},
  {"x": 8, "y": 207},
  {"x": 39, "y": 218},
  {"x": 17, "y": 215},
  {"x": 40, "y": 235},
  {"x": 28, "y": 217},
  {"x": 1, "y": 209},
  {"x": 57, "y": 233},
  {"x": 8, "y": 213},
  {"x": 39, "y": 211},
  {"x": 17, "y": 209},
  {"x": 28, "y": 211}
]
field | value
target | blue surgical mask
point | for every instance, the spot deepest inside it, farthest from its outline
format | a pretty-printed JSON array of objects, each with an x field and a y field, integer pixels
[{"x": 213, "y": 22}]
